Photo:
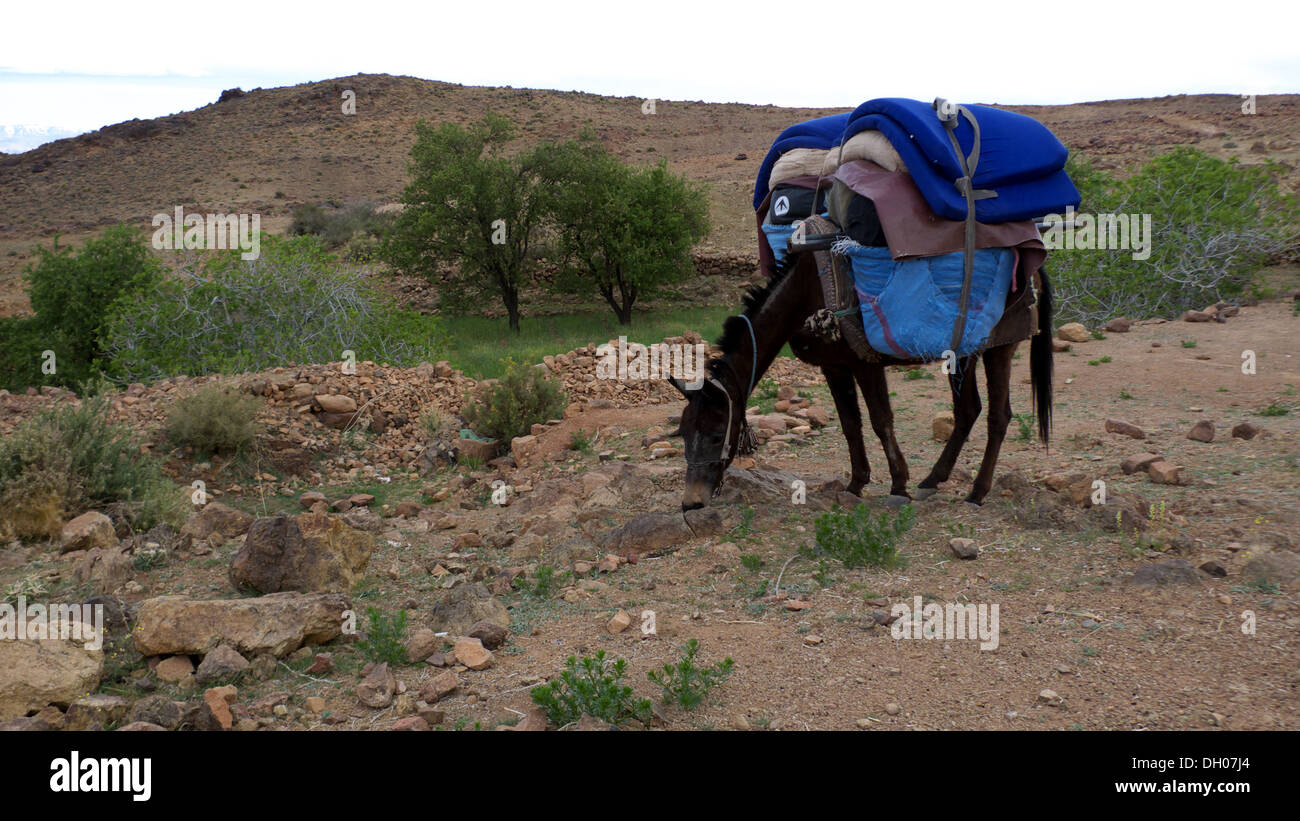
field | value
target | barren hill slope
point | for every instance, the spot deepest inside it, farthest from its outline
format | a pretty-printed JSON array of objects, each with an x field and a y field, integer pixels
[{"x": 272, "y": 149}]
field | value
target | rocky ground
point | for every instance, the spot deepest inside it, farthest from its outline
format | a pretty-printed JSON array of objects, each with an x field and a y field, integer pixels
[{"x": 1121, "y": 615}]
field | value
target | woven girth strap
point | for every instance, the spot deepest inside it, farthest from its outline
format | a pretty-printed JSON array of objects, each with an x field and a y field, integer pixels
[{"x": 840, "y": 318}]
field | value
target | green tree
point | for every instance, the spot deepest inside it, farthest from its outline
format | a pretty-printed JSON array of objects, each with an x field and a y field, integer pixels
[
  {"x": 74, "y": 295},
  {"x": 471, "y": 204},
  {"x": 623, "y": 229}
]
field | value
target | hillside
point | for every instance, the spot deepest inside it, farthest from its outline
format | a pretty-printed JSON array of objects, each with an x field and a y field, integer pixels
[{"x": 273, "y": 149}]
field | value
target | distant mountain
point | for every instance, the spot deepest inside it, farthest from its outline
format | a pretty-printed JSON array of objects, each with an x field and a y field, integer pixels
[
  {"x": 269, "y": 150},
  {"x": 15, "y": 139}
]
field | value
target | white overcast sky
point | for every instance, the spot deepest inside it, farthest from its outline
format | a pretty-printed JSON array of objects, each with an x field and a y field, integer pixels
[{"x": 81, "y": 65}]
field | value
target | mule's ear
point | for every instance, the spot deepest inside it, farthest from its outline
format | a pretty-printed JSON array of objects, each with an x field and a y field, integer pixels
[{"x": 679, "y": 385}]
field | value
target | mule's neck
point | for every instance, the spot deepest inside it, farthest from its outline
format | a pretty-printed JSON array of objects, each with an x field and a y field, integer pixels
[{"x": 777, "y": 319}]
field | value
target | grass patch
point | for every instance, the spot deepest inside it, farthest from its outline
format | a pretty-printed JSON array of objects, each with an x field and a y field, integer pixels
[{"x": 859, "y": 539}]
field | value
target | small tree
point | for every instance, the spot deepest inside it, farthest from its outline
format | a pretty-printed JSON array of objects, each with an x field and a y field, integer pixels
[
  {"x": 74, "y": 294},
  {"x": 626, "y": 230},
  {"x": 470, "y": 204}
]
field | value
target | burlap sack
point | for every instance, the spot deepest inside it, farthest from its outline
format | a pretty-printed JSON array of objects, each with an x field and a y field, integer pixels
[{"x": 865, "y": 145}]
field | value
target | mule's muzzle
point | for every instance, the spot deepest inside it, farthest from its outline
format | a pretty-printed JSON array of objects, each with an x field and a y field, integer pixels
[{"x": 696, "y": 496}]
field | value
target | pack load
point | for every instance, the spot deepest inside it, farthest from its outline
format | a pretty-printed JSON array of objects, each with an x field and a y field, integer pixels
[{"x": 921, "y": 219}]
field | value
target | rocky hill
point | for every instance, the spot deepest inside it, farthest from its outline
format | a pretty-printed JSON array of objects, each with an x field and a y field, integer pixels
[{"x": 269, "y": 150}]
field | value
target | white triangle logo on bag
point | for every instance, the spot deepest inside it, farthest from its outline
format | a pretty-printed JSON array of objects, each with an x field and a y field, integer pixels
[{"x": 782, "y": 206}]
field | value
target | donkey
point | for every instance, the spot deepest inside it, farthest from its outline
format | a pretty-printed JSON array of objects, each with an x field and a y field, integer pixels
[{"x": 713, "y": 422}]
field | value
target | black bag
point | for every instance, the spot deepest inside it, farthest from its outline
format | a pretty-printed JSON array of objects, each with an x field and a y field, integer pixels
[
  {"x": 862, "y": 223},
  {"x": 793, "y": 202}
]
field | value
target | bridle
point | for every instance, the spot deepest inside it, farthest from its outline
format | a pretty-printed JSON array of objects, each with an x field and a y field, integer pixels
[{"x": 727, "y": 455}]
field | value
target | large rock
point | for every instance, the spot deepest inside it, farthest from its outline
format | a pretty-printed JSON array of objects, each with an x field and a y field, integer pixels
[
  {"x": 942, "y": 426},
  {"x": 1202, "y": 431},
  {"x": 87, "y": 531},
  {"x": 277, "y": 624},
  {"x": 104, "y": 569},
  {"x": 336, "y": 403},
  {"x": 1125, "y": 428},
  {"x": 36, "y": 673},
  {"x": 1138, "y": 462},
  {"x": 157, "y": 709},
  {"x": 463, "y": 606},
  {"x": 1073, "y": 332},
  {"x": 1245, "y": 430},
  {"x": 525, "y": 450},
  {"x": 377, "y": 687},
  {"x": 1164, "y": 574},
  {"x": 221, "y": 665},
  {"x": 649, "y": 534},
  {"x": 308, "y": 553},
  {"x": 475, "y": 449},
  {"x": 95, "y": 712},
  {"x": 1274, "y": 566},
  {"x": 765, "y": 487},
  {"x": 1165, "y": 473},
  {"x": 216, "y": 517},
  {"x": 471, "y": 653}
]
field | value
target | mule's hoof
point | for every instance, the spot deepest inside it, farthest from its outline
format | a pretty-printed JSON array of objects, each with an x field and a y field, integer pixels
[
  {"x": 895, "y": 500},
  {"x": 923, "y": 493},
  {"x": 973, "y": 505}
]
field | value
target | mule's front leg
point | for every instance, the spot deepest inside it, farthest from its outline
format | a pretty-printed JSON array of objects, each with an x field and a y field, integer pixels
[
  {"x": 875, "y": 389},
  {"x": 840, "y": 381}
]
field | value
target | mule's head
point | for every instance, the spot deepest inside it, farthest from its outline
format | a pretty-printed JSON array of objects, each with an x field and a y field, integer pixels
[{"x": 713, "y": 431}]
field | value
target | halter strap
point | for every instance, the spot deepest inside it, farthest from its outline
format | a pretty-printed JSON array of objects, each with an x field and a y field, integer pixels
[{"x": 753, "y": 371}]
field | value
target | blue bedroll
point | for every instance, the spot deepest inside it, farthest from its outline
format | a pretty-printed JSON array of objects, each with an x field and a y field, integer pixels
[
  {"x": 822, "y": 133},
  {"x": 909, "y": 306},
  {"x": 1020, "y": 158}
]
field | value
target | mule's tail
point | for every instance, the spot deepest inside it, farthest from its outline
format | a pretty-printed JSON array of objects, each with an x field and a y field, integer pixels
[{"x": 1040, "y": 361}]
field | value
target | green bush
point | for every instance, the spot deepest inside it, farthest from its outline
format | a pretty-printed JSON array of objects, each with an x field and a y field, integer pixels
[
  {"x": 1214, "y": 224},
  {"x": 71, "y": 456},
  {"x": 593, "y": 687},
  {"x": 686, "y": 684},
  {"x": 339, "y": 226},
  {"x": 509, "y": 407},
  {"x": 216, "y": 419},
  {"x": 385, "y": 638},
  {"x": 292, "y": 305},
  {"x": 22, "y": 341},
  {"x": 859, "y": 539},
  {"x": 73, "y": 296}
]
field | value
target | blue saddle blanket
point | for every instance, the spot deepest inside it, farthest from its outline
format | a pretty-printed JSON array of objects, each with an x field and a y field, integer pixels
[
  {"x": 909, "y": 306},
  {"x": 778, "y": 237}
]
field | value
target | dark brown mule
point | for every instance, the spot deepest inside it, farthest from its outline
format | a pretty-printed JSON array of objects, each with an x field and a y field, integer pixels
[{"x": 713, "y": 422}]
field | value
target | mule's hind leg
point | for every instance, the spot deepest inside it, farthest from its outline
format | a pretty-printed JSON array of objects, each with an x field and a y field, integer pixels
[
  {"x": 840, "y": 380},
  {"x": 997, "y": 372},
  {"x": 875, "y": 390},
  {"x": 965, "y": 410}
]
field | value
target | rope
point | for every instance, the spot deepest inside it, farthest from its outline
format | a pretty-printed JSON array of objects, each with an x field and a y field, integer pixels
[{"x": 753, "y": 371}]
